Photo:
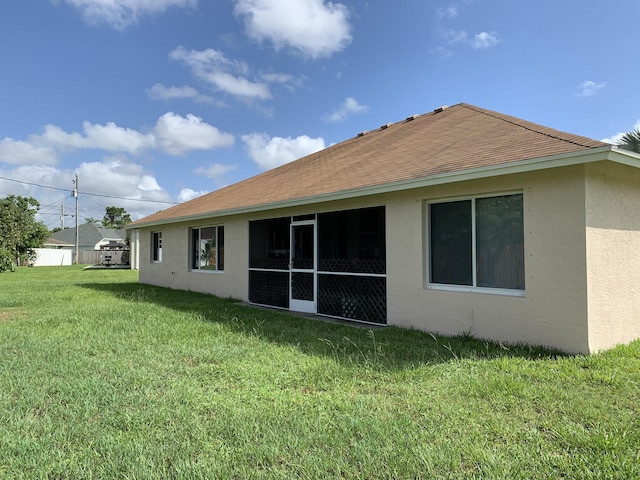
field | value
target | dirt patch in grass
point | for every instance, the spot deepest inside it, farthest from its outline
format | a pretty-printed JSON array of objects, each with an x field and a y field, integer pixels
[{"x": 7, "y": 315}]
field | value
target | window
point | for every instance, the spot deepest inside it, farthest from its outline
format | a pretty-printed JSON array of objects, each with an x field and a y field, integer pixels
[
  {"x": 477, "y": 242},
  {"x": 156, "y": 247},
  {"x": 207, "y": 248}
]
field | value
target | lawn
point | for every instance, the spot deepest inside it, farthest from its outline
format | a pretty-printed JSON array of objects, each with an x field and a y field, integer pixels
[{"x": 101, "y": 377}]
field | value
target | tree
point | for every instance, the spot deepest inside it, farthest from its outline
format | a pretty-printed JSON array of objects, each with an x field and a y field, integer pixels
[
  {"x": 631, "y": 141},
  {"x": 20, "y": 233},
  {"x": 116, "y": 218},
  {"x": 91, "y": 220}
]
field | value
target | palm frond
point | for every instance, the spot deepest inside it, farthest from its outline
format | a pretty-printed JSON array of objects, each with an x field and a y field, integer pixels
[{"x": 630, "y": 141}]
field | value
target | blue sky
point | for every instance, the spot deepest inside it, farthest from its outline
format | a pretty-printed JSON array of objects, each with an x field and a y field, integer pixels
[{"x": 154, "y": 102}]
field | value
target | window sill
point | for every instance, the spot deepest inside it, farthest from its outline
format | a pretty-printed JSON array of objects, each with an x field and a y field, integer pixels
[
  {"x": 207, "y": 272},
  {"x": 485, "y": 291}
]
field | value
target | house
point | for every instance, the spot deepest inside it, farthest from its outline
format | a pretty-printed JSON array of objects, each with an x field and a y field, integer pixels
[
  {"x": 462, "y": 220},
  {"x": 91, "y": 236}
]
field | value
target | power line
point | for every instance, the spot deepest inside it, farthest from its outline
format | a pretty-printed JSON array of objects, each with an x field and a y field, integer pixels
[
  {"x": 87, "y": 193},
  {"x": 34, "y": 184}
]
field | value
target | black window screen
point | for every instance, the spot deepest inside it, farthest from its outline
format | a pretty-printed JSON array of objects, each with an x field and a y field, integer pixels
[
  {"x": 451, "y": 241},
  {"x": 269, "y": 243},
  {"x": 352, "y": 241}
]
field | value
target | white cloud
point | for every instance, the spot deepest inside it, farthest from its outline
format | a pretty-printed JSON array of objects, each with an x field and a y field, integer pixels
[
  {"x": 447, "y": 12},
  {"x": 162, "y": 92},
  {"x": 238, "y": 86},
  {"x": 314, "y": 28},
  {"x": 484, "y": 40},
  {"x": 109, "y": 137},
  {"x": 614, "y": 139},
  {"x": 57, "y": 138},
  {"x": 172, "y": 134},
  {"x": 114, "y": 177},
  {"x": 348, "y": 107},
  {"x": 187, "y": 194},
  {"x": 288, "y": 81},
  {"x": 120, "y": 14},
  {"x": 26, "y": 153},
  {"x": 112, "y": 138},
  {"x": 454, "y": 36},
  {"x": 177, "y": 135},
  {"x": 221, "y": 73},
  {"x": 272, "y": 152},
  {"x": 148, "y": 183},
  {"x": 589, "y": 88},
  {"x": 119, "y": 177},
  {"x": 215, "y": 171},
  {"x": 451, "y": 36}
]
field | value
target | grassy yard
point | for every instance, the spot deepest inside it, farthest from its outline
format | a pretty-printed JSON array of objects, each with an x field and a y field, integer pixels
[{"x": 101, "y": 377}]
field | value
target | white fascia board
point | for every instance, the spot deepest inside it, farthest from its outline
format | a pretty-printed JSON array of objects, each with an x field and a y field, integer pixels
[
  {"x": 600, "y": 154},
  {"x": 625, "y": 157}
]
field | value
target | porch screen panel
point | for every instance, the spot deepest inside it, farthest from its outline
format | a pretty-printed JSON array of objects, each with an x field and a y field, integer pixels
[
  {"x": 269, "y": 249},
  {"x": 352, "y": 241},
  {"x": 302, "y": 286},
  {"x": 352, "y": 264},
  {"x": 269, "y": 288},
  {"x": 269, "y": 244},
  {"x": 354, "y": 297}
]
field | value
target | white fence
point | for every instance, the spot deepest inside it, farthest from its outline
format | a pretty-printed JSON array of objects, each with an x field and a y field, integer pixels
[{"x": 52, "y": 257}]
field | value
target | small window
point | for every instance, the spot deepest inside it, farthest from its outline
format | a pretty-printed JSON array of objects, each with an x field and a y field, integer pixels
[
  {"x": 207, "y": 248},
  {"x": 477, "y": 242},
  {"x": 156, "y": 247}
]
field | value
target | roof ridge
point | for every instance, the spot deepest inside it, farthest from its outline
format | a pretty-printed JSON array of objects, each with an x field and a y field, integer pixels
[{"x": 498, "y": 116}]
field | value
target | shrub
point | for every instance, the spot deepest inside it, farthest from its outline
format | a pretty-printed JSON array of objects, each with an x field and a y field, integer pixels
[{"x": 6, "y": 261}]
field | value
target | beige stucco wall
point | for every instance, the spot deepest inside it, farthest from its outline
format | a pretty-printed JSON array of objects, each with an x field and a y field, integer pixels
[
  {"x": 553, "y": 309},
  {"x": 174, "y": 272},
  {"x": 613, "y": 253}
]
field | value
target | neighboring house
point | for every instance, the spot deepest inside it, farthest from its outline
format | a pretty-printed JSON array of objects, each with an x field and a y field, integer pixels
[
  {"x": 52, "y": 243},
  {"x": 91, "y": 236},
  {"x": 463, "y": 220}
]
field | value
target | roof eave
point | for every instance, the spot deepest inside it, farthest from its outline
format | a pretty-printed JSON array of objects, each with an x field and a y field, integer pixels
[{"x": 608, "y": 152}]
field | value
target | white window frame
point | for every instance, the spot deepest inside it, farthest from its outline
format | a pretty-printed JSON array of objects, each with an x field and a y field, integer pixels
[
  {"x": 465, "y": 288},
  {"x": 156, "y": 247},
  {"x": 215, "y": 270}
]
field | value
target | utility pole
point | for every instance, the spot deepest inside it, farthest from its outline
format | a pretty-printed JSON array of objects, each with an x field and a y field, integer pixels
[
  {"x": 75, "y": 194},
  {"x": 62, "y": 214}
]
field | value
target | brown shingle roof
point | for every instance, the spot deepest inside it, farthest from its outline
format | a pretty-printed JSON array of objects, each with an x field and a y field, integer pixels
[{"x": 455, "y": 139}]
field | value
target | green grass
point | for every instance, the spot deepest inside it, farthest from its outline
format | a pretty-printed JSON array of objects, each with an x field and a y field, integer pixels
[{"x": 101, "y": 377}]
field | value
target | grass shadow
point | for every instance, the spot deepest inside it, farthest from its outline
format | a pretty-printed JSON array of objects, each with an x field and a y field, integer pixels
[{"x": 382, "y": 348}]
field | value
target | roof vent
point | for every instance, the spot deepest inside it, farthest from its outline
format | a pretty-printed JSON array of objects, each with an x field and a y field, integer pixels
[
  {"x": 386, "y": 125},
  {"x": 363, "y": 133},
  {"x": 412, "y": 117},
  {"x": 439, "y": 109}
]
